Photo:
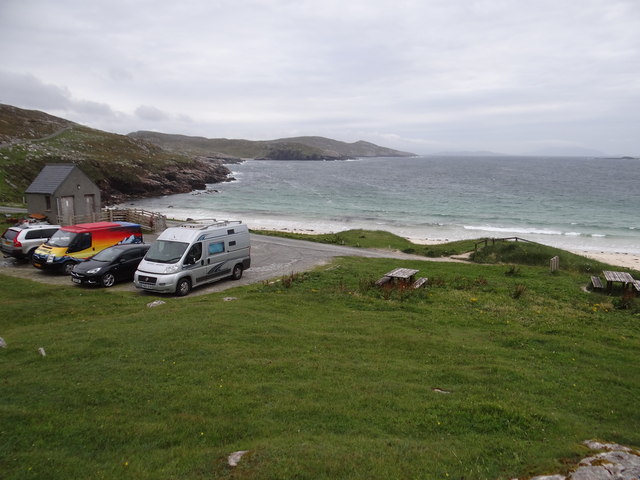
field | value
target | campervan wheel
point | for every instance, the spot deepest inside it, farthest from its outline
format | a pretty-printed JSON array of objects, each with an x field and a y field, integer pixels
[
  {"x": 183, "y": 287},
  {"x": 237, "y": 272}
]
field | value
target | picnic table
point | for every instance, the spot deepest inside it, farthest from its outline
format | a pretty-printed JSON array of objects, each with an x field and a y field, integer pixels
[
  {"x": 622, "y": 277},
  {"x": 404, "y": 276}
]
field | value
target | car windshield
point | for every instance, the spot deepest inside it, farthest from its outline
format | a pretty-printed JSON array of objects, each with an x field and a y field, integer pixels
[
  {"x": 106, "y": 255},
  {"x": 61, "y": 239},
  {"x": 166, "y": 251}
]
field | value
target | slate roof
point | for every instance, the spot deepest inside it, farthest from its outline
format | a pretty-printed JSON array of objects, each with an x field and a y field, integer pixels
[{"x": 50, "y": 178}]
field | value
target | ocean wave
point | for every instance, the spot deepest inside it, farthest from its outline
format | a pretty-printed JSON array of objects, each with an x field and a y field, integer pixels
[
  {"x": 524, "y": 231},
  {"x": 531, "y": 231}
]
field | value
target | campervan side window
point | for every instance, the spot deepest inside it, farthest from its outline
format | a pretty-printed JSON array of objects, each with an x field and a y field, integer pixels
[{"x": 216, "y": 248}]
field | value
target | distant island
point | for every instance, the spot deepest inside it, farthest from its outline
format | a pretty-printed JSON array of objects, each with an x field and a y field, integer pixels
[{"x": 143, "y": 164}]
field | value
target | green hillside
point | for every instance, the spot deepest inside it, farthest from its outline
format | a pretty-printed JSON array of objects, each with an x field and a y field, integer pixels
[
  {"x": 298, "y": 148},
  {"x": 120, "y": 165}
]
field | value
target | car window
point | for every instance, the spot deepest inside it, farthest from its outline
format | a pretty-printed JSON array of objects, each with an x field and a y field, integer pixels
[
  {"x": 10, "y": 234},
  {"x": 106, "y": 255},
  {"x": 131, "y": 254},
  {"x": 47, "y": 232},
  {"x": 31, "y": 234},
  {"x": 81, "y": 242},
  {"x": 194, "y": 254}
]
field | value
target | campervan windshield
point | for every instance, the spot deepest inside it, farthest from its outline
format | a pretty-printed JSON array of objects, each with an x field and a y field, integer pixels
[{"x": 166, "y": 251}]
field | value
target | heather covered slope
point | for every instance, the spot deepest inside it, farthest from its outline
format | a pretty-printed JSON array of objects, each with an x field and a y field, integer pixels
[{"x": 121, "y": 166}]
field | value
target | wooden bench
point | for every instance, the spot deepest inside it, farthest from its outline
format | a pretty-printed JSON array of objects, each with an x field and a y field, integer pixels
[
  {"x": 422, "y": 281},
  {"x": 596, "y": 283},
  {"x": 382, "y": 281},
  {"x": 636, "y": 284}
]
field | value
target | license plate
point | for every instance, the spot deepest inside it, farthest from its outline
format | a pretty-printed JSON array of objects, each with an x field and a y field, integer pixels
[{"x": 75, "y": 280}]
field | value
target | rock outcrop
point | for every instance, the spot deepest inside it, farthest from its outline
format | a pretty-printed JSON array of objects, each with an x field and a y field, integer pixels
[{"x": 166, "y": 181}]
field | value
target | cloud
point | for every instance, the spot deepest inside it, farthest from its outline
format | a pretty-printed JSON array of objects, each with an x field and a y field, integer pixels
[
  {"x": 145, "y": 112},
  {"x": 426, "y": 72},
  {"x": 28, "y": 91}
]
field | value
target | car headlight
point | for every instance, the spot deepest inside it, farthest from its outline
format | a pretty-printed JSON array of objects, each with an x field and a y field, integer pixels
[
  {"x": 171, "y": 268},
  {"x": 94, "y": 270}
]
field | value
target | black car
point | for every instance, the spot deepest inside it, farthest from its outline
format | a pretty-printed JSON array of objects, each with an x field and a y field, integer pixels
[{"x": 110, "y": 265}]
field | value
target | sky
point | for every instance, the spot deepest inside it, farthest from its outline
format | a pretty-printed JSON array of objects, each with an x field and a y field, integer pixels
[{"x": 424, "y": 76}]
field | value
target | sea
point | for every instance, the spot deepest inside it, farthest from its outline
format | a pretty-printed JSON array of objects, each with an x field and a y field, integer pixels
[{"x": 575, "y": 203}]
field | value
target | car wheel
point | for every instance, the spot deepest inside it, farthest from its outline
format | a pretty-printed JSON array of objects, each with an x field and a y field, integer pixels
[
  {"x": 183, "y": 287},
  {"x": 29, "y": 255},
  {"x": 237, "y": 272},
  {"x": 67, "y": 267},
  {"x": 108, "y": 280}
]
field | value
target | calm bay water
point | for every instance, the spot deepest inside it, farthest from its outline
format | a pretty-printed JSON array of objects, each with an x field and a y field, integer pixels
[{"x": 577, "y": 203}]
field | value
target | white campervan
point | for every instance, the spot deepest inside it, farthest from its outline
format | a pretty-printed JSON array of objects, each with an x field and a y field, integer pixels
[{"x": 194, "y": 254}]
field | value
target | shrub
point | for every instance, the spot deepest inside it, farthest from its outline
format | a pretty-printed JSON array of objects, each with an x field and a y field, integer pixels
[
  {"x": 518, "y": 291},
  {"x": 513, "y": 270},
  {"x": 626, "y": 302}
]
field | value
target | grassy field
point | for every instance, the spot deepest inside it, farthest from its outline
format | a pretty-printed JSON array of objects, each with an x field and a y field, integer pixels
[{"x": 490, "y": 372}]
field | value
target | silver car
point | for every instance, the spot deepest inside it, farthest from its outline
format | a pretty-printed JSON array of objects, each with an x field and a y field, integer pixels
[{"x": 22, "y": 240}]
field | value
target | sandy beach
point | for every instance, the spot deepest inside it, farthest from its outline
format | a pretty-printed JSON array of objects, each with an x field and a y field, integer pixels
[
  {"x": 619, "y": 259},
  {"x": 626, "y": 260}
]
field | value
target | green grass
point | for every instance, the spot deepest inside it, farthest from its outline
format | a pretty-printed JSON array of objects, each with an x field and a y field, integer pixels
[
  {"x": 530, "y": 253},
  {"x": 379, "y": 239},
  {"x": 319, "y": 376}
]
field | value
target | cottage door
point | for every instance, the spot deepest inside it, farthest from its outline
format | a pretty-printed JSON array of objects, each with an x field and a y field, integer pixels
[
  {"x": 90, "y": 207},
  {"x": 66, "y": 210}
]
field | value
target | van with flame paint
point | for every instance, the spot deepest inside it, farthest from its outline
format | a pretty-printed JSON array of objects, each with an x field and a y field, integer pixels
[{"x": 75, "y": 243}]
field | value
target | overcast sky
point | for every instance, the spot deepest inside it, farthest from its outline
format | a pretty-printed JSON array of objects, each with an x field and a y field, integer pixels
[{"x": 424, "y": 76}]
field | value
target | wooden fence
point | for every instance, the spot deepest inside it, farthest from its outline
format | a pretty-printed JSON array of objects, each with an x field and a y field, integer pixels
[
  {"x": 493, "y": 241},
  {"x": 150, "y": 220}
]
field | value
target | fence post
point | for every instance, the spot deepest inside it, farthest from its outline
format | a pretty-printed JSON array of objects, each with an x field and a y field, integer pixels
[{"x": 555, "y": 264}]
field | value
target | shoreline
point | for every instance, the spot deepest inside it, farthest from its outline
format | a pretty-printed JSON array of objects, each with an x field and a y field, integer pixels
[
  {"x": 619, "y": 259},
  {"x": 600, "y": 252}
]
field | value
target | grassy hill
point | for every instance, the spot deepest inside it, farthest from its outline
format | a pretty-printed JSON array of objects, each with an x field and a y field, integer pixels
[
  {"x": 319, "y": 376},
  {"x": 297, "y": 148},
  {"x": 121, "y": 166}
]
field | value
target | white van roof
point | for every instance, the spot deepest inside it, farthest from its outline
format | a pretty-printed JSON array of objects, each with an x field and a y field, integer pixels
[
  {"x": 188, "y": 232},
  {"x": 206, "y": 223}
]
